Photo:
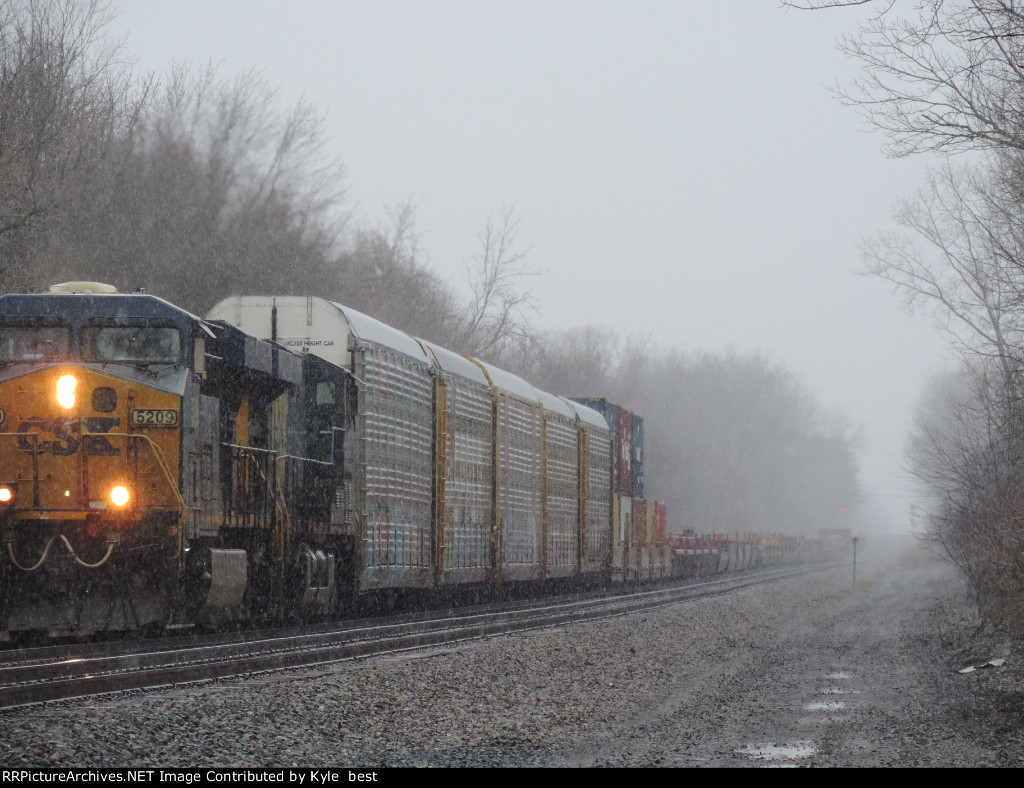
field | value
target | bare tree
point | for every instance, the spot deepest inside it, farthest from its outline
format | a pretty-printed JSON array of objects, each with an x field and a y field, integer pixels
[
  {"x": 947, "y": 76},
  {"x": 962, "y": 257},
  {"x": 579, "y": 362},
  {"x": 967, "y": 448},
  {"x": 495, "y": 322},
  {"x": 742, "y": 445},
  {"x": 215, "y": 189},
  {"x": 383, "y": 272},
  {"x": 65, "y": 89},
  {"x": 818, "y": 5},
  {"x": 939, "y": 75}
]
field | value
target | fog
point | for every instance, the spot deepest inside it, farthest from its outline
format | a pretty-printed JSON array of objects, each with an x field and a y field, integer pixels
[{"x": 680, "y": 171}]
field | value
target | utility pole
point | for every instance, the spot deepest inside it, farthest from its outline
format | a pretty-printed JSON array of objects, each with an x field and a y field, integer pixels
[{"x": 855, "y": 563}]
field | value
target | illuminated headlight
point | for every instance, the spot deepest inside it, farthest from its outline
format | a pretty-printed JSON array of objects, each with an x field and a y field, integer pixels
[
  {"x": 66, "y": 390},
  {"x": 6, "y": 494},
  {"x": 119, "y": 495}
]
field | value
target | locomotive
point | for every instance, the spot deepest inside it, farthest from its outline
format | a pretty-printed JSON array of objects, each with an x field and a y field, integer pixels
[{"x": 277, "y": 459}]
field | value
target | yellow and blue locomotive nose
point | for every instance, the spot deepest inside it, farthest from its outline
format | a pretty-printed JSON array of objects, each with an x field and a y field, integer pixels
[{"x": 76, "y": 439}]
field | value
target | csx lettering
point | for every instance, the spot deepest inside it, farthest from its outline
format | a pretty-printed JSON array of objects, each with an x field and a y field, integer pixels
[
  {"x": 100, "y": 446},
  {"x": 64, "y": 443}
]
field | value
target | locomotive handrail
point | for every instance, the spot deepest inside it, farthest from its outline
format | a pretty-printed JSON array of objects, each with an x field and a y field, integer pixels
[
  {"x": 285, "y": 536},
  {"x": 35, "y": 453},
  {"x": 249, "y": 449},
  {"x": 282, "y": 531}
]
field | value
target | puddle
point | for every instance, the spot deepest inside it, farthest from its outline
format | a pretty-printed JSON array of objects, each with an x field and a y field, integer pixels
[
  {"x": 837, "y": 675},
  {"x": 774, "y": 752},
  {"x": 825, "y": 705}
]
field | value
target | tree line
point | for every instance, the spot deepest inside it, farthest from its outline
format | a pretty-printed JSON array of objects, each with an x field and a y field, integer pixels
[
  {"x": 946, "y": 77},
  {"x": 196, "y": 186}
]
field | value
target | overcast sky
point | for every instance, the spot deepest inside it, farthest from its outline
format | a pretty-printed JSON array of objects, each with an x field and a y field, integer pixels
[{"x": 678, "y": 166}]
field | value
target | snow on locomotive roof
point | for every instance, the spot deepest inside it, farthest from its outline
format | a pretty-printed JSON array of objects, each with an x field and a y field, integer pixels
[
  {"x": 82, "y": 287},
  {"x": 588, "y": 415},
  {"x": 452, "y": 362}
]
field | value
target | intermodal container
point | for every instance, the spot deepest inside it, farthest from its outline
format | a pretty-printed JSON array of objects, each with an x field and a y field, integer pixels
[
  {"x": 621, "y": 424},
  {"x": 638, "y": 511},
  {"x": 637, "y": 445},
  {"x": 624, "y": 452},
  {"x": 661, "y": 523}
]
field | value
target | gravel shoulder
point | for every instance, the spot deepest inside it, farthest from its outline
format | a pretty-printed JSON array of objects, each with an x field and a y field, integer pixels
[{"x": 809, "y": 672}]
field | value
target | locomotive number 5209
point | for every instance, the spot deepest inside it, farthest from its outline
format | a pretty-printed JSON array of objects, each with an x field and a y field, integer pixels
[{"x": 149, "y": 417}]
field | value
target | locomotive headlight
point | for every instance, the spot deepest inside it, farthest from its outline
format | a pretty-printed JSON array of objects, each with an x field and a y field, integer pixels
[
  {"x": 66, "y": 390},
  {"x": 6, "y": 494},
  {"x": 119, "y": 495}
]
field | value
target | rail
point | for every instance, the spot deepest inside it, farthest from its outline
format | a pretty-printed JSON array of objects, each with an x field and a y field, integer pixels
[{"x": 75, "y": 671}]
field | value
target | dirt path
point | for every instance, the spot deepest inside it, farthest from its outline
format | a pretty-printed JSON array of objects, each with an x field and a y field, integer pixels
[{"x": 853, "y": 678}]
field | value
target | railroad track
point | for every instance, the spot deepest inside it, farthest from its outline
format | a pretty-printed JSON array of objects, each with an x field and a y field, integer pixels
[{"x": 54, "y": 673}]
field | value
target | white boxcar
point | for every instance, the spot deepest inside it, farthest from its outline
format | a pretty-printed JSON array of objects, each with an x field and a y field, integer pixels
[{"x": 393, "y": 464}]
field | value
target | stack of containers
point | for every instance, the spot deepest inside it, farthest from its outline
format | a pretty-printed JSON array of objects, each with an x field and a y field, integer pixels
[
  {"x": 661, "y": 537},
  {"x": 640, "y": 569},
  {"x": 637, "y": 463},
  {"x": 634, "y": 533}
]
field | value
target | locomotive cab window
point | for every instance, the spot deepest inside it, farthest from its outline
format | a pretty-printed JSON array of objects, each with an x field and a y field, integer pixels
[
  {"x": 324, "y": 393},
  {"x": 146, "y": 344},
  {"x": 33, "y": 342}
]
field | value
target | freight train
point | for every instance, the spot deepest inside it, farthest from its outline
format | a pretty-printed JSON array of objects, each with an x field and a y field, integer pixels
[{"x": 285, "y": 457}]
